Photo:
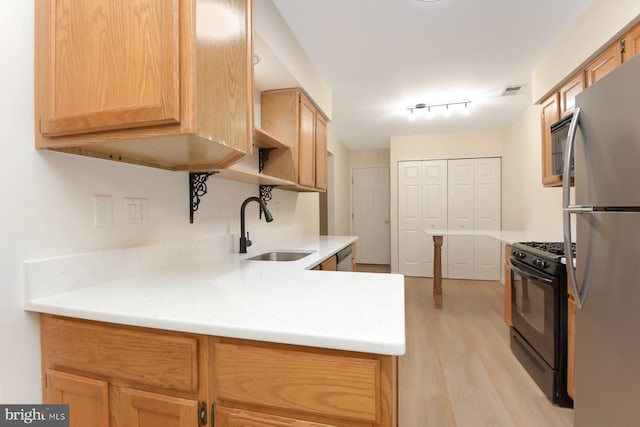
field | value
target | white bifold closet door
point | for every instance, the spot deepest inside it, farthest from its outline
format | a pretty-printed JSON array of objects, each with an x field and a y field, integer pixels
[
  {"x": 474, "y": 205},
  {"x": 459, "y": 195}
]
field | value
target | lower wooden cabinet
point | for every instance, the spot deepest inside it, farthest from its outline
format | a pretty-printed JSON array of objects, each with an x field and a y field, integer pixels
[
  {"x": 88, "y": 398},
  {"x": 135, "y": 408},
  {"x": 507, "y": 285},
  {"x": 124, "y": 376},
  {"x": 571, "y": 347},
  {"x": 230, "y": 417}
]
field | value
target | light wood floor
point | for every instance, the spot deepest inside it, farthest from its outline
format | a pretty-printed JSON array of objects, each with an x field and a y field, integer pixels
[{"x": 458, "y": 369}]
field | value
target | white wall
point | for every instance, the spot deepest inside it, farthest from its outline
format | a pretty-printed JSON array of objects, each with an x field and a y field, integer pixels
[
  {"x": 425, "y": 147},
  {"x": 527, "y": 205},
  {"x": 47, "y": 205},
  {"x": 340, "y": 194},
  {"x": 602, "y": 23},
  {"x": 370, "y": 158}
]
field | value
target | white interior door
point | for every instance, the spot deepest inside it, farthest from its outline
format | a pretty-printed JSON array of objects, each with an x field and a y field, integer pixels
[
  {"x": 371, "y": 215},
  {"x": 410, "y": 232},
  {"x": 434, "y": 210}
]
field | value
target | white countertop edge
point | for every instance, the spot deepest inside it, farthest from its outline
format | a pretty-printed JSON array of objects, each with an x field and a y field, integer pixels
[{"x": 389, "y": 348}]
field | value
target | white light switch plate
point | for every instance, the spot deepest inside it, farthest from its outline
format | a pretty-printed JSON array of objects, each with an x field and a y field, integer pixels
[
  {"x": 137, "y": 210},
  {"x": 102, "y": 210}
]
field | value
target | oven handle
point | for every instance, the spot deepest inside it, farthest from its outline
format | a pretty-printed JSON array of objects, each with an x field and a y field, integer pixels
[
  {"x": 567, "y": 210},
  {"x": 523, "y": 271}
]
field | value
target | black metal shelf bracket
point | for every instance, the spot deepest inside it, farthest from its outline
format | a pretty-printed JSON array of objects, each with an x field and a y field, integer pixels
[
  {"x": 263, "y": 156},
  {"x": 265, "y": 195},
  {"x": 197, "y": 189}
]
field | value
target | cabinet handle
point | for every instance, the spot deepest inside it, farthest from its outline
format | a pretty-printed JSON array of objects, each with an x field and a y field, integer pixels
[{"x": 202, "y": 413}]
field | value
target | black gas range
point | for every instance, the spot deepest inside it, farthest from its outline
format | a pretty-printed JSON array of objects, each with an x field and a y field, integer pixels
[
  {"x": 544, "y": 256},
  {"x": 539, "y": 315}
]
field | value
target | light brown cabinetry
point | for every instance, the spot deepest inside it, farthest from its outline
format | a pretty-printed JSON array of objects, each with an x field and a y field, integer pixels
[
  {"x": 231, "y": 417},
  {"x": 137, "y": 377},
  {"x": 132, "y": 376},
  {"x": 603, "y": 64},
  {"x": 291, "y": 117},
  {"x": 88, "y": 397},
  {"x": 631, "y": 43},
  {"x": 571, "y": 347},
  {"x": 568, "y": 93},
  {"x": 157, "y": 83},
  {"x": 507, "y": 285},
  {"x": 562, "y": 102},
  {"x": 549, "y": 114}
]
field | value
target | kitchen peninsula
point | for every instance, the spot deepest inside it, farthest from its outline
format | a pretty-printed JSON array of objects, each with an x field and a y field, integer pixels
[{"x": 165, "y": 329}]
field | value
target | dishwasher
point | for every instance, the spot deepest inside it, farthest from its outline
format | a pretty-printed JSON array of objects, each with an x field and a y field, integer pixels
[{"x": 344, "y": 258}]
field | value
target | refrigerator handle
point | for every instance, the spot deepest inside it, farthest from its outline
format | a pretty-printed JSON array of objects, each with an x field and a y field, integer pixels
[{"x": 567, "y": 210}]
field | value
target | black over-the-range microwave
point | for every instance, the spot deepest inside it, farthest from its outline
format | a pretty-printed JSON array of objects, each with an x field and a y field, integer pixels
[{"x": 559, "y": 132}]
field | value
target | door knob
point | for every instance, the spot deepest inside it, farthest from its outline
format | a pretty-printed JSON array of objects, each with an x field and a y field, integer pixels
[{"x": 386, "y": 221}]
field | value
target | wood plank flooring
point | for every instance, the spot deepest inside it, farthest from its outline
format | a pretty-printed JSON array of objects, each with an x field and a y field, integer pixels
[{"x": 458, "y": 369}]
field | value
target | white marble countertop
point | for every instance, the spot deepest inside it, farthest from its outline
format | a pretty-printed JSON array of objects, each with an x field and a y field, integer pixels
[
  {"x": 506, "y": 236},
  {"x": 229, "y": 296}
]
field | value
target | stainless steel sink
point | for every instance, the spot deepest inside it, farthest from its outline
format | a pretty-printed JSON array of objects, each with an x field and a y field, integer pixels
[{"x": 280, "y": 256}]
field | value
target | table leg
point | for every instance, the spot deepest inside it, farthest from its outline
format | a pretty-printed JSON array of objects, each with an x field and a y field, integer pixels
[{"x": 437, "y": 271}]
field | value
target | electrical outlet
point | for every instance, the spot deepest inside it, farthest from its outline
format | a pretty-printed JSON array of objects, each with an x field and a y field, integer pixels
[
  {"x": 102, "y": 210},
  {"x": 137, "y": 210}
]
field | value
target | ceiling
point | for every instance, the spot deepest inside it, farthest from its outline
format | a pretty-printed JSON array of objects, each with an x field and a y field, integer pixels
[{"x": 381, "y": 56}]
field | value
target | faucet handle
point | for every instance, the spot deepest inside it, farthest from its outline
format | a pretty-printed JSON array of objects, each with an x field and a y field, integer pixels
[{"x": 248, "y": 240}]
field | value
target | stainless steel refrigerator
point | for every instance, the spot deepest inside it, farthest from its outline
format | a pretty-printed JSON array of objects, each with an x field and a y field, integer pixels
[{"x": 604, "y": 138}]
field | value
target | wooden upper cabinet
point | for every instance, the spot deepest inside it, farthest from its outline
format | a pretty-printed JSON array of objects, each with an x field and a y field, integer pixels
[
  {"x": 307, "y": 147},
  {"x": 321, "y": 152},
  {"x": 291, "y": 117},
  {"x": 606, "y": 62},
  {"x": 631, "y": 43},
  {"x": 549, "y": 115},
  {"x": 111, "y": 66},
  {"x": 158, "y": 83},
  {"x": 568, "y": 94}
]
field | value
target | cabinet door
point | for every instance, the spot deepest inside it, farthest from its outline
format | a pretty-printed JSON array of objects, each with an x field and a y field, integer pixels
[
  {"x": 330, "y": 264},
  {"x": 321, "y": 152},
  {"x": 550, "y": 114},
  {"x": 571, "y": 347},
  {"x": 631, "y": 43},
  {"x": 231, "y": 417},
  {"x": 108, "y": 65},
  {"x": 88, "y": 398},
  {"x": 306, "y": 140},
  {"x": 606, "y": 62},
  {"x": 568, "y": 94},
  {"x": 135, "y": 408}
]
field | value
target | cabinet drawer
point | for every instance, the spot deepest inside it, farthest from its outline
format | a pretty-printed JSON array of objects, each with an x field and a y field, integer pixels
[
  {"x": 324, "y": 384},
  {"x": 162, "y": 360}
]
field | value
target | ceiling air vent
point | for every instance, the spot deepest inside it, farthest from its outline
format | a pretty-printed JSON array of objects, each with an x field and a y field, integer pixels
[{"x": 511, "y": 90}]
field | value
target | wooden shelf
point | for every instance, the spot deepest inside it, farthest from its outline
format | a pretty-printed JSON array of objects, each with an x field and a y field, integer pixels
[
  {"x": 264, "y": 139},
  {"x": 237, "y": 174}
]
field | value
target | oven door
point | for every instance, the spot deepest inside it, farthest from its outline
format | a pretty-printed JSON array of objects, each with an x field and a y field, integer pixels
[{"x": 533, "y": 312}]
